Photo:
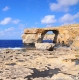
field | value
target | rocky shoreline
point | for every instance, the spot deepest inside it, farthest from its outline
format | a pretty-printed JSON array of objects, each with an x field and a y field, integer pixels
[{"x": 23, "y": 64}]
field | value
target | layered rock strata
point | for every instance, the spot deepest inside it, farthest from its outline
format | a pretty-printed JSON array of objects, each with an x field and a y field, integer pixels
[{"x": 64, "y": 35}]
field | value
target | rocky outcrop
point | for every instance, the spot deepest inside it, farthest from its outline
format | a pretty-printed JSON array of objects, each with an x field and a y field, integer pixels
[
  {"x": 44, "y": 46},
  {"x": 20, "y": 64},
  {"x": 29, "y": 38},
  {"x": 75, "y": 43},
  {"x": 64, "y": 35}
]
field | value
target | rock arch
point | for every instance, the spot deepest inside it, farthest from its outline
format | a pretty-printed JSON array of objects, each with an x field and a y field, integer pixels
[
  {"x": 63, "y": 34},
  {"x": 56, "y": 32}
]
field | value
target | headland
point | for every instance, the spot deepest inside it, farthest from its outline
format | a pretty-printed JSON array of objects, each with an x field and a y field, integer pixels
[{"x": 47, "y": 61}]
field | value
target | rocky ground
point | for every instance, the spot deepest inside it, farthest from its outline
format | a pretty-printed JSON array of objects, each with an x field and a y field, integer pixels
[{"x": 20, "y": 64}]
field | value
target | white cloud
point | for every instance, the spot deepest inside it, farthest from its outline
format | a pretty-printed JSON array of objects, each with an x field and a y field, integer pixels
[
  {"x": 12, "y": 32},
  {"x": 48, "y": 19},
  {"x": 68, "y": 18},
  {"x": 63, "y": 5},
  {"x": 22, "y": 27},
  {"x": 5, "y": 21},
  {"x": 16, "y": 21},
  {"x": 9, "y": 20},
  {"x": 6, "y": 8},
  {"x": 7, "y": 31}
]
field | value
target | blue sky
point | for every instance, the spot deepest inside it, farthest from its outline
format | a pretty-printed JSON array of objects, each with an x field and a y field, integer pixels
[{"x": 16, "y": 15}]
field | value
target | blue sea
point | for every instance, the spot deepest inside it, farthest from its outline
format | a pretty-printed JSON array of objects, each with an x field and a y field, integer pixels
[
  {"x": 11, "y": 43},
  {"x": 15, "y": 43}
]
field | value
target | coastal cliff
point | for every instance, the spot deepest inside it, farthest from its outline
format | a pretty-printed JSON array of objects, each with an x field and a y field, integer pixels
[
  {"x": 65, "y": 35},
  {"x": 43, "y": 63}
]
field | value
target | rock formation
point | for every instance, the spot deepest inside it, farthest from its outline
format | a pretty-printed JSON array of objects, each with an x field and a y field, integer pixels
[
  {"x": 45, "y": 46},
  {"x": 22, "y": 64},
  {"x": 64, "y": 35}
]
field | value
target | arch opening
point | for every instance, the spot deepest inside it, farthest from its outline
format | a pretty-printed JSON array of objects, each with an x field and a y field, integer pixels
[{"x": 50, "y": 36}]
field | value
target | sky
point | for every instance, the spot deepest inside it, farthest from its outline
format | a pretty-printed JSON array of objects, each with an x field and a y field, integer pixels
[{"x": 17, "y": 15}]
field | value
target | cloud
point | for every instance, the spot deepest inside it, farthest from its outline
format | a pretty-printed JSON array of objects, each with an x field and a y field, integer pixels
[
  {"x": 5, "y": 8},
  {"x": 6, "y": 21},
  {"x": 7, "y": 31},
  {"x": 16, "y": 21},
  {"x": 50, "y": 26},
  {"x": 21, "y": 27},
  {"x": 68, "y": 18},
  {"x": 9, "y": 20},
  {"x": 63, "y": 5},
  {"x": 48, "y": 19},
  {"x": 12, "y": 32}
]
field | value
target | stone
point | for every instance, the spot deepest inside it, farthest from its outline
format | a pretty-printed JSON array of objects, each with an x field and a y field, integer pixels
[
  {"x": 29, "y": 38},
  {"x": 64, "y": 35},
  {"x": 59, "y": 64},
  {"x": 61, "y": 76},
  {"x": 44, "y": 46}
]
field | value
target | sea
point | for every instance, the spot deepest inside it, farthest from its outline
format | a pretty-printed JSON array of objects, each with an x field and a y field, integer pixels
[{"x": 15, "y": 43}]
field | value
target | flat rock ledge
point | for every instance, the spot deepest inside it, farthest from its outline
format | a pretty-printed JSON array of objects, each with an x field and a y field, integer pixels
[
  {"x": 20, "y": 64},
  {"x": 44, "y": 46}
]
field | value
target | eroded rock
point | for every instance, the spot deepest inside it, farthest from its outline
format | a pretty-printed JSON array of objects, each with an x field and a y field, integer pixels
[
  {"x": 44, "y": 46},
  {"x": 39, "y": 65},
  {"x": 63, "y": 35}
]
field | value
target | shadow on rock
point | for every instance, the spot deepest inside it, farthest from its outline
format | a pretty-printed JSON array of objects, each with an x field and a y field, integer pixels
[{"x": 46, "y": 73}]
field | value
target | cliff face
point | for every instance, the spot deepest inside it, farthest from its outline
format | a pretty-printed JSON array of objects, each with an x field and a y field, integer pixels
[
  {"x": 73, "y": 31},
  {"x": 65, "y": 35}
]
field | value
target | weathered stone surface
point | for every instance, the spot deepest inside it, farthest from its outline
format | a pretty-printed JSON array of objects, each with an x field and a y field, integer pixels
[
  {"x": 62, "y": 34},
  {"x": 44, "y": 46},
  {"x": 60, "y": 64},
  {"x": 75, "y": 43},
  {"x": 29, "y": 38},
  {"x": 61, "y": 76}
]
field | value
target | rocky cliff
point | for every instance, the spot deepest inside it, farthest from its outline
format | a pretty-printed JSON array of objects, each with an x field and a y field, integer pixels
[{"x": 65, "y": 35}]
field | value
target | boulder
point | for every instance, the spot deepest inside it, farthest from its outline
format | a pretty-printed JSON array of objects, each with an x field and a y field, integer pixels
[{"x": 44, "y": 46}]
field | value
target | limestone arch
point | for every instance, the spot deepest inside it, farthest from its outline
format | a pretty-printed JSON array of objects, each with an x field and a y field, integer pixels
[{"x": 56, "y": 32}]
